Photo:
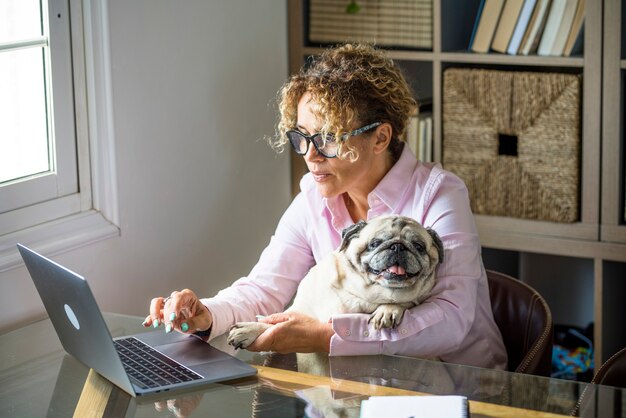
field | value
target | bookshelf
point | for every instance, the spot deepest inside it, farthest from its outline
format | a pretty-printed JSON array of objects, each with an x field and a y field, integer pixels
[
  {"x": 596, "y": 243},
  {"x": 613, "y": 215},
  {"x": 614, "y": 67}
]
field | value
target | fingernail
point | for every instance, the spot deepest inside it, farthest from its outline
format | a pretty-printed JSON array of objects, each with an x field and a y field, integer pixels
[
  {"x": 184, "y": 327},
  {"x": 145, "y": 323},
  {"x": 168, "y": 328},
  {"x": 172, "y": 316},
  {"x": 260, "y": 317},
  {"x": 155, "y": 323}
]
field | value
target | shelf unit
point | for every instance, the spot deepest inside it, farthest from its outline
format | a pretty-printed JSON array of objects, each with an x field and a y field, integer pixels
[
  {"x": 614, "y": 73},
  {"x": 613, "y": 215},
  {"x": 598, "y": 239}
]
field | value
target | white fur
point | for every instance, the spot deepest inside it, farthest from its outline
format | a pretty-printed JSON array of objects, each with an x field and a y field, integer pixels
[{"x": 335, "y": 286}]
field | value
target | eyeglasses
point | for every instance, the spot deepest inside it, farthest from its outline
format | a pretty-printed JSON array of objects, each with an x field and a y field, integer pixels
[{"x": 327, "y": 148}]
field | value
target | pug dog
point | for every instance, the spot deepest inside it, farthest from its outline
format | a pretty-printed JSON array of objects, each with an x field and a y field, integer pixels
[{"x": 382, "y": 267}]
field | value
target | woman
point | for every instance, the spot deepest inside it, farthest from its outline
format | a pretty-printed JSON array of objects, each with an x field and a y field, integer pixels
[{"x": 345, "y": 114}]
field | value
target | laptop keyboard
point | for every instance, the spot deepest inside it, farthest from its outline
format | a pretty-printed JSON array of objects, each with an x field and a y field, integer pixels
[{"x": 147, "y": 368}]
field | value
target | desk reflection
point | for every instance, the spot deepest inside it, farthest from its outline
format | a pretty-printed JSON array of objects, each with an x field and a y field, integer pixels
[{"x": 41, "y": 380}]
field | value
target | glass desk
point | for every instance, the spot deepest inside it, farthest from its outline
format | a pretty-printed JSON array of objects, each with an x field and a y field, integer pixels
[{"x": 38, "y": 379}]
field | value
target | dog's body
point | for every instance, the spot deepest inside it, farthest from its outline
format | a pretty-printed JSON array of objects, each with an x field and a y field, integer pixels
[{"x": 383, "y": 267}]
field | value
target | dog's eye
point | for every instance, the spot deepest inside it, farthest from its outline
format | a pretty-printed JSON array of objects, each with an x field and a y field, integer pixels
[
  {"x": 374, "y": 244},
  {"x": 418, "y": 246}
]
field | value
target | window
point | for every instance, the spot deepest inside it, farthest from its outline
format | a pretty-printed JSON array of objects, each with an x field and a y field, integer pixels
[
  {"x": 51, "y": 148},
  {"x": 37, "y": 136}
]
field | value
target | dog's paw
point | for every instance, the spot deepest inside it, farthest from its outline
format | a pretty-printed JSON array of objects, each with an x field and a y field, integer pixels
[
  {"x": 242, "y": 334},
  {"x": 387, "y": 316}
]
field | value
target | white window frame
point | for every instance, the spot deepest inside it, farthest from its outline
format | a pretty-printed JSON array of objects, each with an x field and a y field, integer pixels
[
  {"x": 62, "y": 179},
  {"x": 89, "y": 214}
]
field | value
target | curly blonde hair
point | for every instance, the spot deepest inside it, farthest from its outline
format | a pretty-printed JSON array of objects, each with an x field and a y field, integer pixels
[{"x": 351, "y": 83}]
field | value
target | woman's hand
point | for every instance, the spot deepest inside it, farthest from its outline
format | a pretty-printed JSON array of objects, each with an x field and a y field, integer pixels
[
  {"x": 294, "y": 332},
  {"x": 180, "y": 407},
  {"x": 181, "y": 311}
]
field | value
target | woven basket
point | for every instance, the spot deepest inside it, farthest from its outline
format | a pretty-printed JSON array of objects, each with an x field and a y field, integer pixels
[
  {"x": 542, "y": 110},
  {"x": 403, "y": 23}
]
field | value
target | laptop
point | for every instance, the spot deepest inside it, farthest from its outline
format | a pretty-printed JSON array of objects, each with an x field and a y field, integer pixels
[{"x": 140, "y": 364}]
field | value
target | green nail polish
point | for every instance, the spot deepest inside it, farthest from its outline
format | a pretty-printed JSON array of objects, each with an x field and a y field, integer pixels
[
  {"x": 184, "y": 327},
  {"x": 155, "y": 324},
  {"x": 172, "y": 316},
  {"x": 168, "y": 328}
]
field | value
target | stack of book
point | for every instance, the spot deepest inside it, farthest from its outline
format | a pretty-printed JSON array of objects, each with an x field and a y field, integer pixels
[
  {"x": 527, "y": 27},
  {"x": 419, "y": 133}
]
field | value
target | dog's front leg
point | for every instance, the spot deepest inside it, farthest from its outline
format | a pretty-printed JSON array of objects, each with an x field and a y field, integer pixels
[
  {"x": 387, "y": 316},
  {"x": 242, "y": 334}
]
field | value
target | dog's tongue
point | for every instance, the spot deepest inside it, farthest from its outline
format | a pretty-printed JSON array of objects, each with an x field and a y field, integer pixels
[{"x": 397, "y": 270}]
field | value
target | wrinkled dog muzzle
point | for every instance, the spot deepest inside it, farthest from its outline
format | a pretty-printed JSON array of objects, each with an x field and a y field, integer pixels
[{"x": 396, "y": 264}]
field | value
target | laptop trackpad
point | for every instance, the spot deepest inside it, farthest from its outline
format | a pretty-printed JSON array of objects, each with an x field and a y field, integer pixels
[
  {"x": 185, "y": 349},
  {"x": 191, "y": 352}
]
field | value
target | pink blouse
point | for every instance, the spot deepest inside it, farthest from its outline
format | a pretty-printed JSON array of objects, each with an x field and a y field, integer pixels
[{"x": 455, "y": 324}]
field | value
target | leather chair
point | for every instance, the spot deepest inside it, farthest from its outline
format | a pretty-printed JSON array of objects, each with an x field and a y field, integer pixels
[
  {"x": 611, "y": 373},
  {"x": 525, "y": 322}
]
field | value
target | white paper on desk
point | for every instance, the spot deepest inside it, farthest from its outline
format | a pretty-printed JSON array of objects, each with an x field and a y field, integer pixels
[{"x": 415, "y": 407}]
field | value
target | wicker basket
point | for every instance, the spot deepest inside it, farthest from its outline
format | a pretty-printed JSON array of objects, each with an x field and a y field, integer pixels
[
  {"x": 402, "y": 23},
  {"x": 540, "y": 113}
]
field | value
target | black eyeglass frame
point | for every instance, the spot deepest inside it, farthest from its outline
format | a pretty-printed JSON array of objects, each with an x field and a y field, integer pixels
[{"x": 315, "y": 138}]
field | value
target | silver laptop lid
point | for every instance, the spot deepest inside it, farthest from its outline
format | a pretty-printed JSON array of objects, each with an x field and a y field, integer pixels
[{"x": 76, "y": 317}]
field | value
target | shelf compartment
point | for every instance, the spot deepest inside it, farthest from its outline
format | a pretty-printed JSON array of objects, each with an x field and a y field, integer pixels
[
  {"x": 389, "y": 23},
  {"x": 566, "y": 283},
  {"x": 458, "y": 20},
  {"x": 520, "y": 158},
  {"x": 419, "y": 75},
  {"x": 613, "y": 307}
]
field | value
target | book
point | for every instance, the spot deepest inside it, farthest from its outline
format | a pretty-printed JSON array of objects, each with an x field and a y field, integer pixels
[
  {"x": 425, "y": 137},
  {"x": 535, "y": 28},
  {"x": 431, "y": 406},
  {"x": 557, "y": 8},
  {"x": 576, "y": 29},
  {"x": 487, "y": 20},
  {"x": 506, "y": 25},
  {"x": 564, "y": 28},
  {"x": 425, "y": 130},
  {"x": 520, "y": 28},
  {"x": 429, "y": 140}
]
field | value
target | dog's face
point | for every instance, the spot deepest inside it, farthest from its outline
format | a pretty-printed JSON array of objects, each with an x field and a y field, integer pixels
[{"x": 393, "y": 252}]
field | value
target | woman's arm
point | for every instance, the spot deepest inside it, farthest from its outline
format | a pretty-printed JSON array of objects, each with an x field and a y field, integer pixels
[
  {"x": 273, "y": 281},
  {"x": 294, "y": 332}
]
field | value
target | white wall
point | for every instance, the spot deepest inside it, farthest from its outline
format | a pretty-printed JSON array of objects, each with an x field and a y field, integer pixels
[{"x": 199, "y": 191}]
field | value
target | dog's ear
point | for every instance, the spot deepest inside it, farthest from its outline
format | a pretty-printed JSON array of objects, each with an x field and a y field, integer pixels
[
  {"x": 437, "y": 243},
  {"x": 350, "y": 232}
]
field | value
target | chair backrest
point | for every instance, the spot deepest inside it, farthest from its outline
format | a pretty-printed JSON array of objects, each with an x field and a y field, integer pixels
[
  {"x": 525, "y": 322},
  {"x": 613, "y": 371}
]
